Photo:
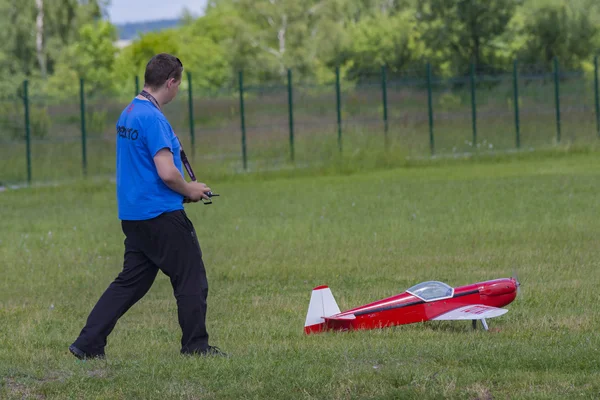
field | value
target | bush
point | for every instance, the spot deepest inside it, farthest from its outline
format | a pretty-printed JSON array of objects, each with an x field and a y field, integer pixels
[
  {"x": 11, "y": 121},
  {"x": 449, "y": 101},
  {"x": 40, "y": 122},
  {"x": 96, "y": 122}
]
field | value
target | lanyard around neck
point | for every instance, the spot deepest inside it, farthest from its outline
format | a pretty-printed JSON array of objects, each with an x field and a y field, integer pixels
[
  {"x": 184, "y": 158},
  {"x": 150, "y": 98}
]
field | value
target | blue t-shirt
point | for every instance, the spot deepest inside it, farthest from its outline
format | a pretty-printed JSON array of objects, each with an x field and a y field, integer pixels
[{"x": 142, "y": 130}]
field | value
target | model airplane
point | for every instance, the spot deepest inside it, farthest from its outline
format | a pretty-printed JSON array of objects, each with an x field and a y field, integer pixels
[{"x": 427, "y": 301}]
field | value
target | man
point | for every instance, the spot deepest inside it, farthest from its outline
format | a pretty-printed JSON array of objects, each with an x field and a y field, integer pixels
[{"x": 151, "y": 190}]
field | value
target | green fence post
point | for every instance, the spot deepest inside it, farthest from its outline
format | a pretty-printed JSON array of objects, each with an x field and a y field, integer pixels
[
  {"x": 385, "y": 104},
  {"x": 83, "y": 130},
  {"x": 597, "y": 91},
  {"x": 243, "y": 120},
  {"x": 291, "y": 113},
  {"x": 27, "y": 129},
  {"x": 430, "y": 109},
  {"x": 137, "y": 85},
  {"x": 516, "y": 100},
  {"x": 338, "y": 96},
  {"x": 473, "y": 105},
  {"x": 557, "y": 97},
  {"x": 191, "y": 110}
]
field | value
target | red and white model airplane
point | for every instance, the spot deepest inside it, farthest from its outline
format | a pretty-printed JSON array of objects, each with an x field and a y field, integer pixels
[{"x": 427, "y": 301}]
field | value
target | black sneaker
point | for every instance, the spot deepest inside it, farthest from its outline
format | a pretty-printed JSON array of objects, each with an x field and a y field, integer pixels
[
  {"x": 210, "y": 351},
  {"x": 214, "y": 351},
  {"x": 82, "y": 355}
]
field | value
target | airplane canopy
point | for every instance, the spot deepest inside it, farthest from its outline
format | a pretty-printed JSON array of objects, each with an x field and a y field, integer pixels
[{"x": 432, "y": 290}]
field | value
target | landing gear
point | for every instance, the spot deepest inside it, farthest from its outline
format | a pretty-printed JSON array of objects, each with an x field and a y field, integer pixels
[{"x": 483, "y": 323}]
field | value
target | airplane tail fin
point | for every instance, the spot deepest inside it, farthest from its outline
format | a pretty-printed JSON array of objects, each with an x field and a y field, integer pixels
[{"x": 322, "y": 304}]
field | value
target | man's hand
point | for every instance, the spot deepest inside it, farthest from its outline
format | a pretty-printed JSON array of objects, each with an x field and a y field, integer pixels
[
  {"x": 196, "y": 191},
  {"x": 170, "y": 175}
]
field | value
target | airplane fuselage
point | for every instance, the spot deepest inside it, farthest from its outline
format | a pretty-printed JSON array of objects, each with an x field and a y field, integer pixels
[{"x": 407, "y": 308}]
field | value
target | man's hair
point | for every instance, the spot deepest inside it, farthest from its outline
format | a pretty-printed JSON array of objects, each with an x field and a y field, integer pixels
[{"x": 161, "y": 68}]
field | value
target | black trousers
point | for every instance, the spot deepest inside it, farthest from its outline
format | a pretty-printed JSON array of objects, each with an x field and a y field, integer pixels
[{"x": 167, "y": 243}]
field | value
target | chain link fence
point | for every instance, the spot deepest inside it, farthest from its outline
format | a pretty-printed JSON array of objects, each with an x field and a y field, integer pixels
[{"x": 292, "y": 123}]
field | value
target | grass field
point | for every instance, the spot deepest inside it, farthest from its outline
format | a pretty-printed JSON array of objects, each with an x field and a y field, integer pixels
[{"x": 268, "y": 242}]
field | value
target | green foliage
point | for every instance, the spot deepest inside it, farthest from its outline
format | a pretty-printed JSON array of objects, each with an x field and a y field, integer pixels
[
  {"x": 150, "y": 44},
  {"x": 40, "y": 122},
  {"x": 11, "y": 121},
  {"x": 96, "y": 121},
  {"x": 449, "y": 101},
  {"x": 91, "y": 58},
  {"x": 63, "y": 41},
  {"x": 132, "y": 60},
  {"x": 271, "y": 36},
  {"x": 265, "y": 38},
  {"x": 17, "y": 43},
  {"x": 225, "y": 27},
  {"x": 568, "y": 31},
  {"x": 383, "y": 39},
  {"x": 63, "y": 84},
  {"x": 464, "y": 31},
  {"x": 207, "y": 62}
]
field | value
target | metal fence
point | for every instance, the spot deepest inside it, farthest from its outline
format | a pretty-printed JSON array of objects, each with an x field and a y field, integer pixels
[{"x": 289, "y": 123}]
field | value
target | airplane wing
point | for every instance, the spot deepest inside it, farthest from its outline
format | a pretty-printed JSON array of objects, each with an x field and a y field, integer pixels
[{"x": 475, "y": 311}]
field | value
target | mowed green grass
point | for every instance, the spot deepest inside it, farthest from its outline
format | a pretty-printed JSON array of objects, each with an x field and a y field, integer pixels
[{"x": 267, "y": 243}]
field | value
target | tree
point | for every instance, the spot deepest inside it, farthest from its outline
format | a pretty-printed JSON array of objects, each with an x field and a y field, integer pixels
[
  {"x": 225, "y": 27},
  {"x": 283, "y": 30},
  {"x": 35, "y": 33},
  {"x": 354, "y": 11},
  {"x": 312, "y": 37},
  {"x": 131, "y": 61},
  {"x": 464, "y": 31},
  {"x": 62, "y": 22},
  {"x": 382, "y": 39},
  {"x": 567, "y": 31},
  {"x": 207, "y": 61},
  {"x": 200, "y": 55},
  {"x": 91, "y": 57},
  {"x": 277, "y": 34},
  {"x": 17, "y": 44},
  {"x": 39, "y": 37}
]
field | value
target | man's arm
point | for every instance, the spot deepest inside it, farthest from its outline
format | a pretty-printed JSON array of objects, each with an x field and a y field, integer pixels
[{"x": 171, "y": 176}]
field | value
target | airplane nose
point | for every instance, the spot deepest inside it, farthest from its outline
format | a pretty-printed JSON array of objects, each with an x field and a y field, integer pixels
[{"x": 499, "y": 287}]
